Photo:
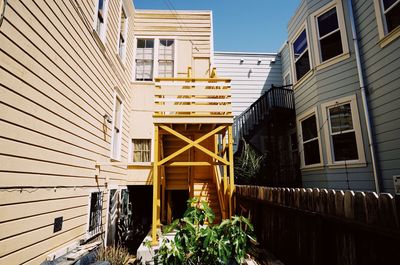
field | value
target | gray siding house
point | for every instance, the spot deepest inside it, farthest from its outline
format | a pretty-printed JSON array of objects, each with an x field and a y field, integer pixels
[{"x": 332, "y": 79}]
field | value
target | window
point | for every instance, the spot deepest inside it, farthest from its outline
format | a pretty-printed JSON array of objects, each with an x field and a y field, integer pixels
[
  {"x": 148, "y": 51},
  {"x": 101, "y": 18},
  {"x": 286, "y": 79},
  {"x": 330, "y": 40},
  {"x": 123, "y": 30},
  {"x": 166, "y": 58},
  {"x": 144, "y": 60},
  {"x": 95, "y": 212},
  {"x": 141, "y": 150},
  {"x": 388, "y": 20},
  {"x": 343, "y": 131},
  {"x": 117, "y": 128},
  {"x": 301, "y": 55},
  {"x": 309, "y": 139}
]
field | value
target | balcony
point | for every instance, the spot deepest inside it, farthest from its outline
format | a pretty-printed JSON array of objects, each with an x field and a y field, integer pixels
[{"x": 193, "y": 101}]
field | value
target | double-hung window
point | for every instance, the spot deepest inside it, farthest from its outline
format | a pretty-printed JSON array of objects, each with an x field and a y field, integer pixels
[
  {"x": 116, "y": 136},
  {"x": 101, "y": 18},
  {"x": 329, "y": 36},
  {"x": 144, "y": 59},
  {"x": 388, "y": 19},
  {"x": 309, "y": 139},
  {"x": 141, "y": 150},
  {"x": 301, "y": 55},
  {"x": 343, "y": 131},
  {"x": 95, "y": 210},
  {"x": 166, "y": 58},
  {"x": 123, "y": 30}
]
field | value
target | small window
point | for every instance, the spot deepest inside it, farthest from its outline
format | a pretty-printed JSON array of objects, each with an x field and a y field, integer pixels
[
  {"x": 123, "y": 29},
  {"x": 95, "y": 212},
  {"x": 141, "y": 150},
  {"x": 391, "y": 14},
  {"x": 301, "y": 55},
  {"x": 144, "y": 59},
  {"x": 310, "y": 141},
  {"x": 117, "y": 129},
  {"x": 329, "y": 35},
  {"x": 286, "y": 79},
  {"x": 342, "y": 132},
  {"x": 101, "y": 16},
  {"x": 166, "y": 58}
]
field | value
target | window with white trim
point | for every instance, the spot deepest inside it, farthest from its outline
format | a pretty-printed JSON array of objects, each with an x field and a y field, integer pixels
[
  {"x": 123, "y": 30},
  {"x": 144, "y": 59},
  {"x": 166, "y": 58},
  {"x": 309, "y": 139},
  {"x": 116, "y": 136},
  {"x": 95, "y": 212},
  {"x": 101, "y": 18},
  {"x": 301, "y": 55},
  {"x": 329, "y": 35},
  {"x": 141, "y": 150},
  {"x": 390, "y": 11},
  {"x": 343, "y": 131}
]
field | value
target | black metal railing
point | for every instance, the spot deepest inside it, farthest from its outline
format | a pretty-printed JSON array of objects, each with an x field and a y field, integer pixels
[{"x": 275, "y": 98}]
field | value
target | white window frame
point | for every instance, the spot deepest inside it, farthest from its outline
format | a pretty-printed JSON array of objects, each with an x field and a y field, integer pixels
[
  {"x": 155, "y": 55},
  {"x": 122, "y": 56},
  {"x": 302, "y": 117},
  {"x": 356, "y": 127},
  {"x": 343, "y": 34},
  {"x": 91, "y": 234},
  {"x": 384, "y": 36},
  {"x": 287, "y": 74},
  {"x": 103, "y": 30},
  {"x": 117, "y": 157},
  {"x": 295, "y": 81}
]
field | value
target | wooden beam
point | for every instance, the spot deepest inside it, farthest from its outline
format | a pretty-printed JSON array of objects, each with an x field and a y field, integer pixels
[
  {"x": 192, "y": 144},
  {"x": 155, "y": 189},
  {"x": 191, "y": 164},
  {"x": 231, "y": 171}
]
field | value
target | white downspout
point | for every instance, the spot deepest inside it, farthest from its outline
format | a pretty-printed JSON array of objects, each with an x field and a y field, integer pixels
[{"x": 364, "y": 97}]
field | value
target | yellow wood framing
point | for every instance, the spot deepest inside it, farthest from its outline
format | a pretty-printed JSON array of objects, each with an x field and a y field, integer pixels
[
  {"x": 231, "y": 178},
  {"x": 155, "y": 189},
  {"x": 192, "y": 143}
]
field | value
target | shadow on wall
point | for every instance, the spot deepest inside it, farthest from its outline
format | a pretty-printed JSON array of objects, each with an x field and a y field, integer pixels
[{"x": 275, "y": 74}]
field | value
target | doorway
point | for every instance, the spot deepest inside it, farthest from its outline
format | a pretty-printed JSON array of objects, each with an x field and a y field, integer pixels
[{"x": 178, "y": 203}]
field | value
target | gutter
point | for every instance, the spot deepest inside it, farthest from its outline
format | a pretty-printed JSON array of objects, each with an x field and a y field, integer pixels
[{"x": 364, "y": 97}]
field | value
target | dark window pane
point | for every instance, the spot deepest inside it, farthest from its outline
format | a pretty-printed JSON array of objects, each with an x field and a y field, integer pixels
[
  {"x": 300, "y": 44},
  {"x": 331, "y": 46},
  {"x": 340, "y": 118},
  {"x": 101, "y": 4},
  {"x": 309, "y": 128},
  {"x": 149, "y": 44},
  {"x": 311, "y": 153},
  {"x": 302, "y": 65},
  {"x": 345, "y": 146},
  {"x": 393, "y": 18},
  {"x": 328, "y": 22},
  {"x": 166, "y": 43},
  {"x": 388, "y": 3},
  {"x": 141, "y": 43}
]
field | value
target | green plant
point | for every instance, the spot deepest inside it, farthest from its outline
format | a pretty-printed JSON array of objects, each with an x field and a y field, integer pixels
[
  {"x": 116, "y": 255},
  {"x": 197, "y": 241},
  {"x": 248, "y": 166}
]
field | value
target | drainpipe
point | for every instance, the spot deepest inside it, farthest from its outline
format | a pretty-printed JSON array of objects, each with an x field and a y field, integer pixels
[{"x": 364, "y": 97}]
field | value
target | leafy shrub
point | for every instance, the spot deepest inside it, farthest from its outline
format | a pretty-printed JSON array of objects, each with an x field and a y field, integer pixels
[
  {"x": 116, "y": 255},
  {"x": 248, "y": 166},
  {"x": 197, "y": 241}
]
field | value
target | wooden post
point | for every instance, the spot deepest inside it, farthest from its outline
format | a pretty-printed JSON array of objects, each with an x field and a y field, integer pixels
[
  {"x": 155, "y": 189},
  {"x": 231, "y": 178},
  {"x": 225, "y": 176}
]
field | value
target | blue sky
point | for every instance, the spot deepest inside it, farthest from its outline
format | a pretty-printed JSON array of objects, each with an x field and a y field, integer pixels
[{"x": 240, "y": 25}]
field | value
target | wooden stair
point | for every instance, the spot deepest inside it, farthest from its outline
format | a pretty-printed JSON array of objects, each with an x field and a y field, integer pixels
[{"x": 205, "y": 190}]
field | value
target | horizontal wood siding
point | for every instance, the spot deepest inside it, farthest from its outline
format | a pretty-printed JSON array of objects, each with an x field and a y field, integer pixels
[
  {"x": 382, "y": 76},
  {"x": 333, "y": 82},
  {"x": 56, "y": 82},
  {"x": 250, "y": 79}
]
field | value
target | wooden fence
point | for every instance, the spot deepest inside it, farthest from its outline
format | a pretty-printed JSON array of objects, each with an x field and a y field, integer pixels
[{"x": 319, "y": 226}]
